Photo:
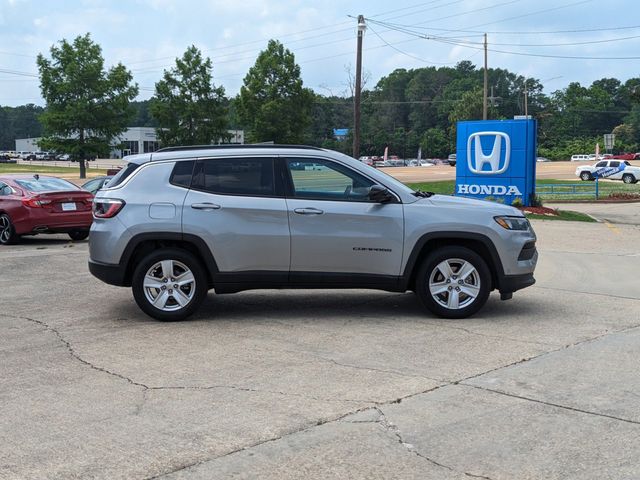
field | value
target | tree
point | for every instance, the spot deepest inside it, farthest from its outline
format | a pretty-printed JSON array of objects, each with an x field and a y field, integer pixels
[
  {"x": 435, "y": 143},
  {"x": 273, "y": 104},
  {"x": 188, "y": 107},
  {"x": 87, "y": 106}
]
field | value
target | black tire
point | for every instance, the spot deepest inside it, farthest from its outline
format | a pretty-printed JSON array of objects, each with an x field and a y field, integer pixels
[
  {"x": 628, "y": 178},
  {"x": 78, "y": 235},
  {"x": 8, "y": 235},
  {"x": 178, "y": 312},
  {"x": 585, "y": 176},
  {"x": 481, "y": 280}
]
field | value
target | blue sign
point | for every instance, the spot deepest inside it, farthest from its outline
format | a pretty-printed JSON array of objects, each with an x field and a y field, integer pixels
[{"x": 496, "y": 160}]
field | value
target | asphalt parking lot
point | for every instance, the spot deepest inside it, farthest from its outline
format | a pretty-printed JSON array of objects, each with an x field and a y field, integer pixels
[{"x": 325, "y": 384}]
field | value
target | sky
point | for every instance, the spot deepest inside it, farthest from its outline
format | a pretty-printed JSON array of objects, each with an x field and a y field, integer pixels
[{"x": 524, "y": 36}]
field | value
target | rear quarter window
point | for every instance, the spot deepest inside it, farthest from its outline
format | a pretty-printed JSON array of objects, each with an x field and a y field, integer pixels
[
  {"x": 182, "y": 174},
  {"x": 122, "y": 175}
]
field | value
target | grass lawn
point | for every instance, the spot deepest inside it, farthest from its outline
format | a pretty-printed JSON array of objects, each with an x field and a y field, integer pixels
[
  {"x": 75, "y": 170},
  {"x": 447, "y": 187},
  {"x": 567, "y": 215}
]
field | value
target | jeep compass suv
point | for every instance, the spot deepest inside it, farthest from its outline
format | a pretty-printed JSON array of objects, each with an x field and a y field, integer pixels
[{"x": 180, "y": 221}]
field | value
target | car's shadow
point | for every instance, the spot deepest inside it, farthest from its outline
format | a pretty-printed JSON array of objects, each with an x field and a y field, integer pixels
[
  {"x": 47, "y": 240},
  {"x": 327, "y": 306}
]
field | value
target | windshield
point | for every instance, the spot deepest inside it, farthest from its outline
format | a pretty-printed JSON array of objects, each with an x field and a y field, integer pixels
[{"x": 46, "y": 184}]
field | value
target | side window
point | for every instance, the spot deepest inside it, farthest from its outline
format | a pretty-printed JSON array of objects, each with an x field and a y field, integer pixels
[
  {"x": 182, "y": 172},
  {"x": 326, "y": 180},
  {"x": 4, "y": 190},
  {"x": 614, "y": 164},
  {"x": 235, "y": 176},
  {"x": 601, "y": 164}
]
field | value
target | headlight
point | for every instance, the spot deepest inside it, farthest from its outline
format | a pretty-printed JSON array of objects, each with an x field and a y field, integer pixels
[{"x": 513, "y": 223}]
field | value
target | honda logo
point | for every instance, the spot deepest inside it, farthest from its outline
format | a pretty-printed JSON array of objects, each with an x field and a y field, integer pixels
[{"x": 478, "y": 159}]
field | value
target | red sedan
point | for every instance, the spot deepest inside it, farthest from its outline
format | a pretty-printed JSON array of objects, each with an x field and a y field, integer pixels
[{"x": 33, "y": 204}]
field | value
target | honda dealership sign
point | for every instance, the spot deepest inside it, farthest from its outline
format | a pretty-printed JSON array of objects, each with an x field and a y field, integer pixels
[{"x": 496, "y": 159}]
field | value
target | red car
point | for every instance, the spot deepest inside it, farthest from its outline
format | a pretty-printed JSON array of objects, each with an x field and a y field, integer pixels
[
  {"x": 626, "y": 156},
  {"x": 32, "y": 204}
]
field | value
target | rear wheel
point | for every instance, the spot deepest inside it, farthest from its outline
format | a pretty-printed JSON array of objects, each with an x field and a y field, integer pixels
[
  {"x": 78, "y": 235},
  {"x": 453, "y": 282},
  {"x": 628, "y": 178},
  {"x": 585, "y": 176},
  {"x": 169, "y": 284},
  {"x": 8, "y": 235}
]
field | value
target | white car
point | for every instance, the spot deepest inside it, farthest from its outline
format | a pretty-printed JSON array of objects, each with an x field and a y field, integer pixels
[{"x": 612, "y": 169}]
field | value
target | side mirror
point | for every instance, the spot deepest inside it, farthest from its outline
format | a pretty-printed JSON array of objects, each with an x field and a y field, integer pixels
[{"x": 379, "y": 194}]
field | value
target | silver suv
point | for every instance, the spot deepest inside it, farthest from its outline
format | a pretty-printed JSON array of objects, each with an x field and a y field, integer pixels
[{"x": 178, "y": 222}]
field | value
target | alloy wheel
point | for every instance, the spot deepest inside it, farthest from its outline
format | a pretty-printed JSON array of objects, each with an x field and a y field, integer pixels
[
  {"x": 454, "y": 283},
  {"x": 169, "y": 285}
]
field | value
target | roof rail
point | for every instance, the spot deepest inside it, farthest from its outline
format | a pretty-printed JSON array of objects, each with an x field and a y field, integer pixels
[{"x": 233, "y": 145}]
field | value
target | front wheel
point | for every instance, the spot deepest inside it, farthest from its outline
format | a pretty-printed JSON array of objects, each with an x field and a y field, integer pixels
[
  {"x": 585, "y": 176},
  {"x": 8, "y": 235},
  {"x": 169, "y": 284},
  {"x": 453, "y": 282},
  {"x": 629, "y": 178}
]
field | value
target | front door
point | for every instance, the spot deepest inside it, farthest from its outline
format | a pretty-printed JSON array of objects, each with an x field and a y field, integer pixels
[{"x": 335, "y": 228}]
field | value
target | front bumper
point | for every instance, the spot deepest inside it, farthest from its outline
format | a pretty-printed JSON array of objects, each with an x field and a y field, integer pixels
[{"x": 513, "y": 283}]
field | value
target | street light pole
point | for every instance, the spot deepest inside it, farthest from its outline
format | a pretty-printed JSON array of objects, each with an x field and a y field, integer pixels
[{"x": 362, "y": 26}]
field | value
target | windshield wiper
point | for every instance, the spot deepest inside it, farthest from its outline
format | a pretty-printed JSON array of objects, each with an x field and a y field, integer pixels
[{"x": 421, "y": 194}]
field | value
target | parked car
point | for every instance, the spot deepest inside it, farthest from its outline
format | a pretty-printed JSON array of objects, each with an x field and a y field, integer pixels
[
  {"x": 30, "y": 205},
  {"x": 26, "y": 155},
  {"x": 96, "y": 184},
  {"x": 452, "y": 159},
  {"x": 366, "y": 160},
  {"x": 612, "y": 169},
  {"x": 626, "y": 156},
  {"x": 5, "y": 158},
  {"x": 542, "y": 159},
  {"x": 582, "y": 158},
  {"x": 63, "y": 157},
  {"x": 175, "y": 225}
]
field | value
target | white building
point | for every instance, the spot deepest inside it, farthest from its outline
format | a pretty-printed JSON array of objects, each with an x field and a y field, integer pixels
[{"x": 133, "y": 140}]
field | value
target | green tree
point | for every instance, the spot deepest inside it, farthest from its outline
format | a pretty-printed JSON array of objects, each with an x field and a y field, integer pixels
[
  {"x": 273, "y": 104},
  {"x": 435, "y": 143},
  {"x": 188, "y": 107},
  {"x": 87, "y": 106}
]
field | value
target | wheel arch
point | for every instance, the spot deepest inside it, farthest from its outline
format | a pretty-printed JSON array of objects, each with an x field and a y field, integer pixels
[
  {"x": 143, "y": 244},
  {"x": 479, "y": 243}
]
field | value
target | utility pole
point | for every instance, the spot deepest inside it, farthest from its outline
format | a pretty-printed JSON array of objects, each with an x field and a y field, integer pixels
[
  {"x": 356, "y": 101},
  {"x": 526, "y": 100},
  {"x": 486, "y": 81}
]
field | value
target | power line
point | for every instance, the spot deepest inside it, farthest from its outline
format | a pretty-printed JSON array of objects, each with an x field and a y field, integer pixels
[{"x": 541, "y": 55}]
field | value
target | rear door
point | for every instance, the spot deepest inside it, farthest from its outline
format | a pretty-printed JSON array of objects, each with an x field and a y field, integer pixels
[
  {"x": 335, "y": 228},
  {"x": 615, "y": 166},
  {"x": 238, "y": 208}
]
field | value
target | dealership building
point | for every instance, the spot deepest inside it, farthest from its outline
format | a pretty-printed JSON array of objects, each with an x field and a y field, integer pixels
[{"x": 133, "y": 140}]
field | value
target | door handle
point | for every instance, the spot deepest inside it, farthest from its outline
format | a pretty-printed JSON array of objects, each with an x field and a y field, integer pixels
[
  {"x": 205, "y": 206},
  {"x": 308, "y": 211}
]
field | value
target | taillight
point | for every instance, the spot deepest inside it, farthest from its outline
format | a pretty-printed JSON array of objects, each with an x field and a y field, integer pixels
[
  {"x": 106, "y": 207},
  {"x": 35, "y": 202}
]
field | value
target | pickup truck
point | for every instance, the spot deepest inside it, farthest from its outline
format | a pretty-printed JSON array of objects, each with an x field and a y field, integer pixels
[{"x": 612, "y": 169}]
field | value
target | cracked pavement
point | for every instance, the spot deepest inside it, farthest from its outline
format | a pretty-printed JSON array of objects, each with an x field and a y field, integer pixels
[{"x": 324, "y": 384}]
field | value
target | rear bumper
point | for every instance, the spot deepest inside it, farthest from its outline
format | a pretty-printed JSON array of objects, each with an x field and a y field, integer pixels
[
  {"x": 111, "y": 274},
  {"x": 37, "y": 221}
]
